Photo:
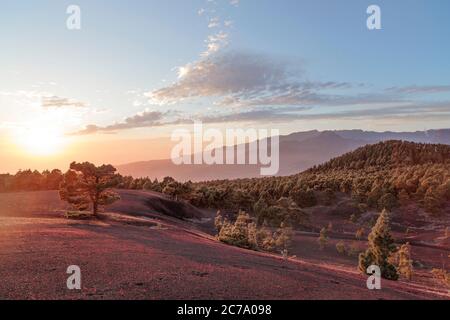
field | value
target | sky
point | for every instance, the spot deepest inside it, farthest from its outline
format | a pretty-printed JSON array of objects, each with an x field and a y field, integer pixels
[{"x": 138, "y": 70}]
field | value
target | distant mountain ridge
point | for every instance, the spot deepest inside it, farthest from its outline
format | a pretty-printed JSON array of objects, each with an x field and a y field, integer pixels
[
  {"x": 298, "y": 151},
  {"x": 440, "y": 136}
]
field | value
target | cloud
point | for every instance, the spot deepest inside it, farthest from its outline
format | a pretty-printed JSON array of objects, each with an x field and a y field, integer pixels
[
  {"x": 58, "y": 102},
  {"x": 42, "y": 99},
  {"x": 233, "y": 73},
  {"x": 26, "y": 94},
  {"x": 89, "y": 129},
  {"x": 215, "y": 42},
  {"x": 243, "y": 79},
  {"x": 214, "y": 22},
  {"x": 407, "y": 111},
  {"x": 256, "y": 115},
  {"x": 143, "y": 119},
  {"x": 420, "y": 89},
  {"x": 228, "y": 23},
  {"x": 234, "y": 3}
]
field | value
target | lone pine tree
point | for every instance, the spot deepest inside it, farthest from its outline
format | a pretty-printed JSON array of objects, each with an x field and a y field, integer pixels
[
  {"x": 323, "y": 238},
  {"x": 404, "y": 261},
  {"x": 381, "y": 246},
  {"x": 87, "y": 186}
]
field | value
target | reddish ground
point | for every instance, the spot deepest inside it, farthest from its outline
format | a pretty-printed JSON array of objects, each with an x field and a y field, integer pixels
[{"x": 135, "y": 252}]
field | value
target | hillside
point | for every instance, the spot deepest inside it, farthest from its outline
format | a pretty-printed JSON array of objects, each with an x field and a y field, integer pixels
[
  {"x": 152, "y": 256},
  {"x": 390, "y": 175},
  {"x": 390, "y": 154},
  {"x": 298, "y": 151},
  {"x": 295, "y": 155},
  {"x": 161, "y": 248}
]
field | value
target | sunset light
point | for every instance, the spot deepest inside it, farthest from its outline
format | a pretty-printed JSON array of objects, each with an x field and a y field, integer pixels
[{"x": 40, "y": 141}]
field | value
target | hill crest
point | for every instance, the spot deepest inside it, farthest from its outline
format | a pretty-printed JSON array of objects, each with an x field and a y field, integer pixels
[{"x": 390, "y": 153}]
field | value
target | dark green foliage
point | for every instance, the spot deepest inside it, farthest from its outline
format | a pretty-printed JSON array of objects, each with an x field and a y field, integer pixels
[
  {"x": 237, "y": 233},
  {"x": 385, "y": 175},
  {"x": 244, "y": 233},
  {"x": 381, "y": 247},
  {"x": 28, "y": 180},
  {"x": 404, "y": 261},
  {"x": 87, "y": 186},
  {"x": 390, "y": 154},
  {"x": 303, "y": 197}
]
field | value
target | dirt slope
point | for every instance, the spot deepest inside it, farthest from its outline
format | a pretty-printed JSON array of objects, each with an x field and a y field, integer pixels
[{"x": 149, "y": 256}]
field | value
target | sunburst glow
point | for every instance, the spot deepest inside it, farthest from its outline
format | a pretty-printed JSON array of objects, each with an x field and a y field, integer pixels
[{"x": 41, "y": 141}]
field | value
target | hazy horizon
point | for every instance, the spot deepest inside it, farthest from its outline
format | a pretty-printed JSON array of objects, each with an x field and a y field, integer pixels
[{"x": 102, "y": 151}]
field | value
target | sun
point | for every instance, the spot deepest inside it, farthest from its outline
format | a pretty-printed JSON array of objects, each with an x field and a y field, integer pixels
[{"x": 41, "y": 141}]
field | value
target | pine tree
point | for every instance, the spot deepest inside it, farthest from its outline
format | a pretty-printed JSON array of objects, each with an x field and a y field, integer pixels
[
  {"x": 265, "y": 238},
  {"x": 87, "y": 186},
  {"x": 225, "y": 232},
  {"x": 323, "y": 238},
  {"x": 404, "y": 261},
  {"x": 239, "y": 231},
  {"x": 381, "y": 246},
  {"x": 284, "y": 237},
  {"x": 218, "y": 221},
  {"x": 253, "y": 236}
]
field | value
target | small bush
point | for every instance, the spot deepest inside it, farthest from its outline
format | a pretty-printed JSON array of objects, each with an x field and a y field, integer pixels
[
  {"x": 340, "y": 247},
  {"x": 79, "y": 215},
  {"x": 353, "y": 250},
  {"x": 442, "y": 275},
  {"x": 323, "y": 238},
  {"x": 359, "y": 234},
  {"x": 244, "y": 233},
  {"x": 218, "y": 221},
  {"x": 266, "y": 240},
  {"x": 353, "y": 218}
]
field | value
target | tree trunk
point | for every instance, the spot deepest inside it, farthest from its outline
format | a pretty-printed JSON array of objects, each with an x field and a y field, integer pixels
[
  {"x": 95, "y": 201},
  {"x": 95, "y": 208}
]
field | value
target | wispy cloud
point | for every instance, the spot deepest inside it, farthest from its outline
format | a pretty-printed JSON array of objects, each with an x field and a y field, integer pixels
[
  {"x": 396, "y": 112},
  {"x": 436, "y": 111},
  {"x": 214, "y": 22},
  {"x": 28, "y": 94},
  {"x": 44, "y": 99},
  {"x": 256, "y": 115},
  {"x": 234, "y": 3},
  {"x": 420, "y": 89},
  {"x": 218, "y": 40},
  {"x": 143, "y": 119},
  {"x": 215, "y": 42},
  {"x": 59, "y": 102}
]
